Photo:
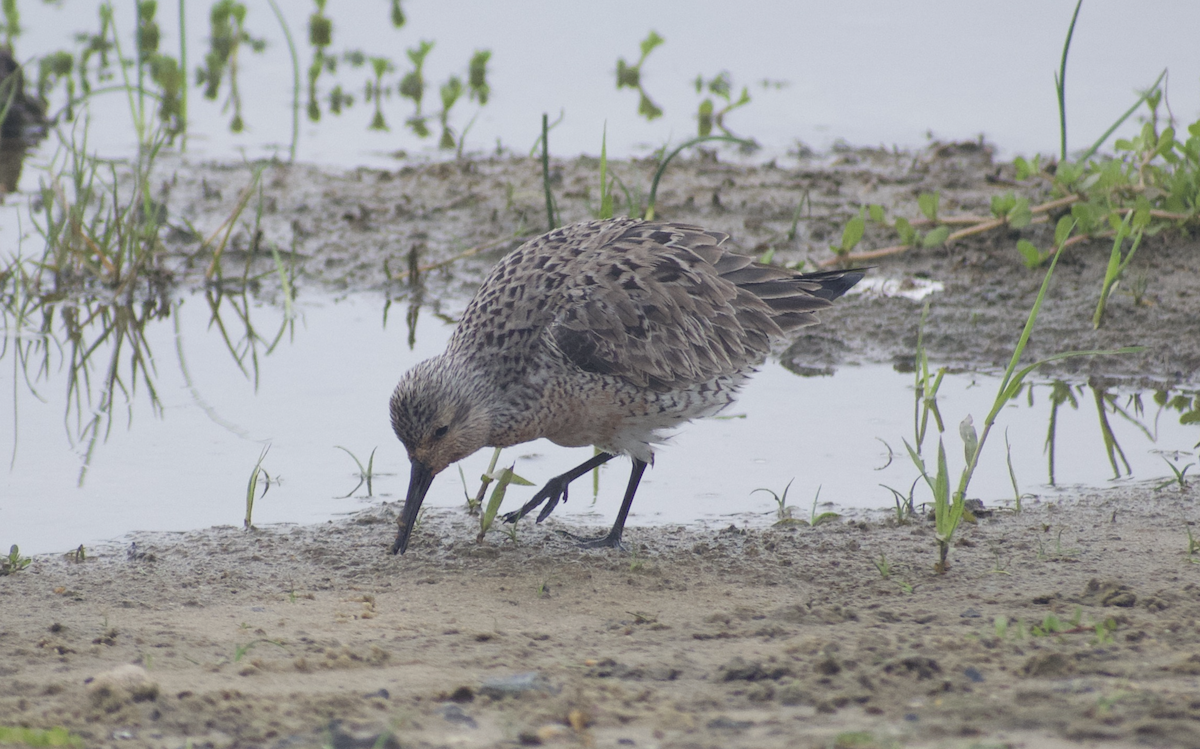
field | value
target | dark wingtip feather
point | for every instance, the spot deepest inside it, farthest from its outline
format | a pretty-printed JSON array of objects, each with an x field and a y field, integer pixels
[{"x": 831, "y": 284}]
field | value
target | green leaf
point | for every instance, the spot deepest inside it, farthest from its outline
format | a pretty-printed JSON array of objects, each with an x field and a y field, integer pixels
[
  {"x": 628, "y": 76},
  {"x": 648, "y": 108},
  {"x": 875, "y": 212},
  {"x": 705, "y": 117},
  {"x": 937, "y": 237},
  {"x": 1002, "y": 204},
  {"x": 1030, "y": 254},
  {"x": 928, "y": 203},
  {"x": 1022, "y": 168},
  {"x": 1020, "y": 215},
  {"x": 966, "y": 429},
  {"x": 1062, "y": 230},
  {"x": 649, "y": 43},
  {"x": 824, "y": 517},
  {"x": 503, "y": 478},
  {"x": 853, "y": 233},
  {"x": 477, "y": 76},
  {"x": 908, "y": 235}
]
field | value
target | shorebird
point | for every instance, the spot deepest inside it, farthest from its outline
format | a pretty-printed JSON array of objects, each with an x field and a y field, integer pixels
[{"x": 600, "y": 333}]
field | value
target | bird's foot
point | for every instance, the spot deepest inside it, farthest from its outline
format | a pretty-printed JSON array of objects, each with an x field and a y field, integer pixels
[
  {"x": 552, "y": 493},
  {"x": 607, "y": 541}
]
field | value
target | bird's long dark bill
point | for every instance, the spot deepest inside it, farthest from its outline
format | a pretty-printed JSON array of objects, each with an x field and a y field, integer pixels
[{"x": 418, "y": 484}]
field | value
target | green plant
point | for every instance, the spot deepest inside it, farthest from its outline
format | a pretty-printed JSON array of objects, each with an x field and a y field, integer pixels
[
  {"x": 1060, "y": 393},
  {"x": 881, "y": 564},
  {"x": 783, "y": 512},
  {"x": 1193, "y": 547},
  {"x": 227, "y": 22},
  {"x": 14, "y": 562},
  {"x": 551, "y": 221},
  {"x": 636, "y": 562},
  {"x": 1060, "y": 83},
  {"x": 948, "y": 506},
  {"x": 662, "y": 165},
  {"x": 630, "y": 76},
  {"x": 905, "y": 505},
  {"x": 57, "y": 736},
  {"x": 364, "y": 474},
  {"x": 721, "y": 87},
  {"x": 503, "y": 478},
  {"x": 1180, "y": 475},
  {"x": 252, "y": 487}
]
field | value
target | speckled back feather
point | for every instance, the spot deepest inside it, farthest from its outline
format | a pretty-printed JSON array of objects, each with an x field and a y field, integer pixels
[{"x": 660, "y": 305}]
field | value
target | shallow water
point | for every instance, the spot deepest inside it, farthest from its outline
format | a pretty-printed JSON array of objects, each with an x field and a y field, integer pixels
[
  {"x": 327, "y": 383},
  {"x": 870, "y": 73}
]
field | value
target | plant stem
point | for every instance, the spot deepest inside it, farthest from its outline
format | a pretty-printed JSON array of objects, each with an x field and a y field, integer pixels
[
  {"x": 183, "y": 90},
  {"x": 287, "y": 34},
  {"x": 1060, "y": 83},
  {"x": 546, "y": 172},
  {"x": 662, "y": 167}
]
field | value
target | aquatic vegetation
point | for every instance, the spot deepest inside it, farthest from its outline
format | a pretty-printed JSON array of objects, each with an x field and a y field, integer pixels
[
  {"x": 13, "y": 562},
  {"x": 630, "y": 76},
  {"x": 252, "y": 487},
  {"x": 949, "y": 507}
]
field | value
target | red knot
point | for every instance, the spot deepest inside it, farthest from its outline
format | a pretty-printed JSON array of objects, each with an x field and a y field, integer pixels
[{"x": 600, "y": 333}]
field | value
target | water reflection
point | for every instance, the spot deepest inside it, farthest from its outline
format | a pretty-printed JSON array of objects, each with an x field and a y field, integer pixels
[{"x": 1129, "y": 407}]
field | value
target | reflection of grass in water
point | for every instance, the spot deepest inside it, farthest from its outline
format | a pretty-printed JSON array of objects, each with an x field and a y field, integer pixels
[{"x": 99, "y": 279}]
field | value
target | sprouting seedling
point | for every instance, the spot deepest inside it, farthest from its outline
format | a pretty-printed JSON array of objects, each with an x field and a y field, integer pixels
[
  {"x": 1193, "y": 546},
  {"x": 551, "y": 220},
  {"x": 815, "y": 518},
  {"x": 1012, "y": 474},
  {"x": 252, "y": 487},
  {"x": 636, "y": 562},
  {"x": 14, "y": 562},
  {"x": 365, "y": 475},
  {"x": 948, "y": 507},
  {"x": 904, "y": 504},
  {"x": 606, "y": 198},
  {"x": 475, "y": 504},
  {"x": 662, "y": 165},
  {"x": 783, "y": 512},
  {"x": 882, "y": 564},
  {"x": 852, "y": 234},
  {"x": 503, "y": 478},
  {"x": 1180, "y": 475}
]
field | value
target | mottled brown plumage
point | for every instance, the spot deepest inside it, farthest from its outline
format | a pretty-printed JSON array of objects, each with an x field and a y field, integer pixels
[{"x": 599, "y": 333}]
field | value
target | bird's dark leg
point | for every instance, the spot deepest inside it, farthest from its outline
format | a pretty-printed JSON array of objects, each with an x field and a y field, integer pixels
[
  {"x": 613, "y": 539},
  {"x": 556, "y": 489}
]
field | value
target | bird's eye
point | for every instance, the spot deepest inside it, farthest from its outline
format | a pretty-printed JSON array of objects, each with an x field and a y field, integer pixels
[{"x": 441, "y": 432}]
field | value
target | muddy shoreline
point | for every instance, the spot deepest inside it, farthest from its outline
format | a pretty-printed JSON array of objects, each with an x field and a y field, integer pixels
[{"x": 1071, "y": 623}]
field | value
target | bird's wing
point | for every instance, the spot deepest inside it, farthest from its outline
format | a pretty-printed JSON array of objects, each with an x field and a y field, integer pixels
[{"x": 662, "y": 306}]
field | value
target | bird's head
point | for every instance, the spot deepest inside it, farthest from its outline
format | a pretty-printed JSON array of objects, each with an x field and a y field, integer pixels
[{"x": 441, "y": 416}]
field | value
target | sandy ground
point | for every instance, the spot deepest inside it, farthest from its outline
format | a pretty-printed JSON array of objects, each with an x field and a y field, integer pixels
[
  {"x": 1072, "y": 623},
  {"x": 315, "y": 636}
]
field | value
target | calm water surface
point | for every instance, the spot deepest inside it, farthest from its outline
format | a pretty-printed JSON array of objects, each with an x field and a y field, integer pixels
[{"x": 328, "y": 381}]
